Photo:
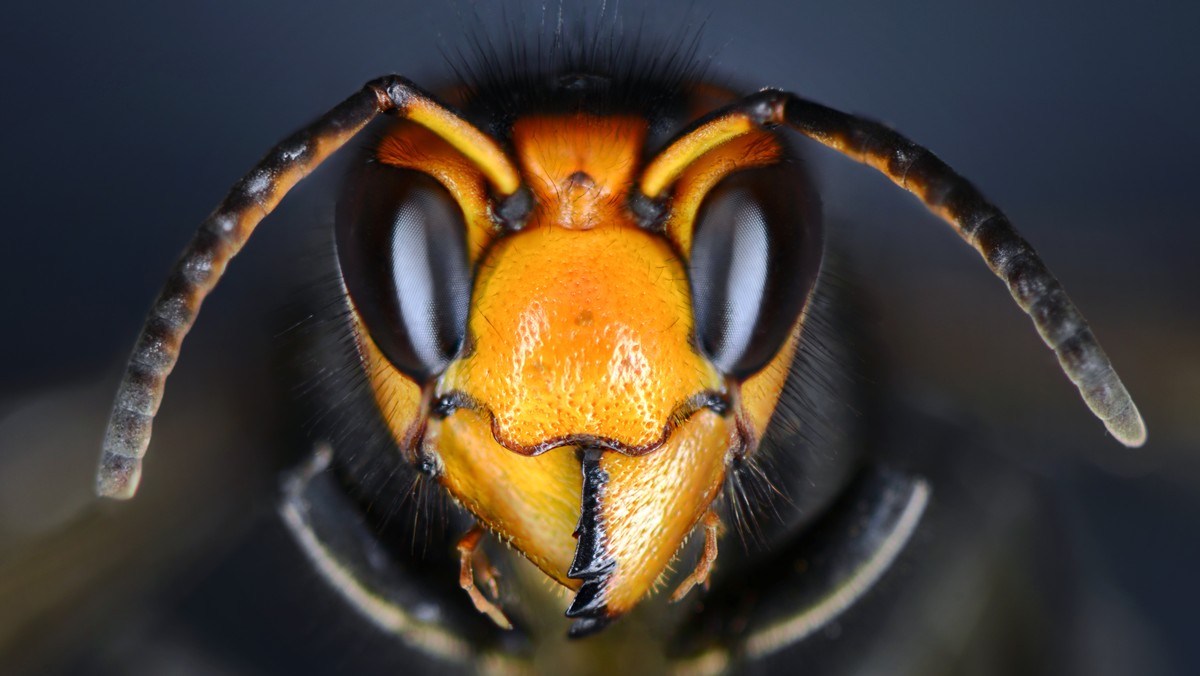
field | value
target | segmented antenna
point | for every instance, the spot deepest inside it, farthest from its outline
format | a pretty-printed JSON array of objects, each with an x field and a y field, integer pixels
[
  {"x": 947, "y": 194},
  {"x": 224, "y": 233}
]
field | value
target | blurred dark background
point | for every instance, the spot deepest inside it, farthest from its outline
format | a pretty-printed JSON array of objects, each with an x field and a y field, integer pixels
[{"x": 124, "y": 127}]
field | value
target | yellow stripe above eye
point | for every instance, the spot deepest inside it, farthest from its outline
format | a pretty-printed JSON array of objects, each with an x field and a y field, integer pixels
[
  {"x": 670, "y": 163},
  {"x": 477, "y": 146}
]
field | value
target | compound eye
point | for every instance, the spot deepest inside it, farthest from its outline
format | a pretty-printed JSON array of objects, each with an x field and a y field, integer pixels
[
  {"x": 756, "y": 251},
  {"x": 401, "y": 246}
]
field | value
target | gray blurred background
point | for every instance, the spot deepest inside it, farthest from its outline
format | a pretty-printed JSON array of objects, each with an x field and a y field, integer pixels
[{"x": 125, "y": 126}]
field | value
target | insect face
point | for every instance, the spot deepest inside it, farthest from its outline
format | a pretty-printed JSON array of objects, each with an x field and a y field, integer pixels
[
  {"x": 578, "y": 301},
  {"x": 585, "y": 405}
]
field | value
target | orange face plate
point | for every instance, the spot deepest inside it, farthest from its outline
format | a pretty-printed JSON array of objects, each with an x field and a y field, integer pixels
[{"x": 580, "y": 335}]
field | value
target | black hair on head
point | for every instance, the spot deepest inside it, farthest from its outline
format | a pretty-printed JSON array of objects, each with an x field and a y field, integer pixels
[{"x": 576, "y": 63}]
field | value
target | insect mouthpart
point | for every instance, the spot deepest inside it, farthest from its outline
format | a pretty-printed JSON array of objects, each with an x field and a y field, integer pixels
[{"x": 592, "y": 564}]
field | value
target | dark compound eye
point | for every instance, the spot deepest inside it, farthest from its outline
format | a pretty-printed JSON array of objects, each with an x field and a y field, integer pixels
[
  {"x": 401, "y": 243},
  {"x": 756, "y": 252}
]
